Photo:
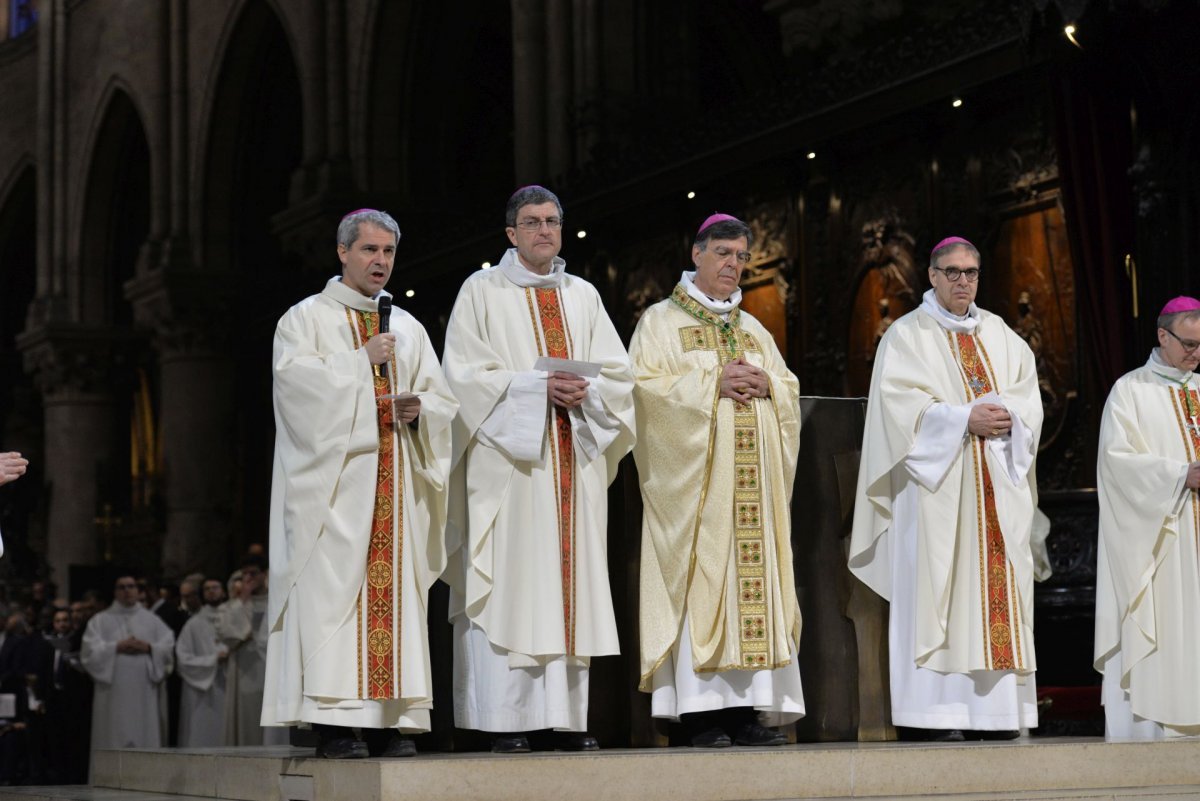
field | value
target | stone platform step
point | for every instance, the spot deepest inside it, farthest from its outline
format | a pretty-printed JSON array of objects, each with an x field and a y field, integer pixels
[{"x": 1083, "y": 768}]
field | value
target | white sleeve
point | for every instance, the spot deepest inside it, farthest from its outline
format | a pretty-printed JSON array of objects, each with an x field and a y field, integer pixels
[
  {"x": 1016, "y": 449},
  {"x": 517, "y": 423},
  {"x": 938, "y": 443}
]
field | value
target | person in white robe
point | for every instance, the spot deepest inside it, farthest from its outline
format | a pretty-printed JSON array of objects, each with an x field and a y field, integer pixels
[
  {"x": 358, "y": 507},
  {"x": 1148, "y": 566},
  {"x": 242, "y": 628},
  {"x": 945, "y": 508},
  {"x": 200, "y": 662},
  {"x": 12, "y": 466},
  {"x": 128, "y": 651},
  {"x": 531, "y": 603},
  {"x": 718, "y": 436}
]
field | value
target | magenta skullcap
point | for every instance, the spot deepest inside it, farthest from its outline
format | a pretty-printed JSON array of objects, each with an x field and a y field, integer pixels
[
  {"x": 1180, "y": 304},
  {"x": 714, "y": 219},
  {"x": 356, "y": 211},
  {"x": 948, "y": 241}
]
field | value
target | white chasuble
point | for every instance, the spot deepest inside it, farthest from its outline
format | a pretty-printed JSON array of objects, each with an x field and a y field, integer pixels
[
  {"x": 198, "y": 660},
  {"x": 1147, "y": 583},
  {"x": 129, "y": 709},
  {"x": 358, "y": 506},
  {"x": 529, "y": 514},
  {"x": 943, "y": 519},
  {"x": 719, "y": 619}
]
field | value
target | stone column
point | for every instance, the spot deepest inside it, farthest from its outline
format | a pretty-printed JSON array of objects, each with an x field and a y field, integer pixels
[
  {"x": 77, "y": 369},
  {"x": 529, "y": 90},
  {"x": 189, "y": 313}
]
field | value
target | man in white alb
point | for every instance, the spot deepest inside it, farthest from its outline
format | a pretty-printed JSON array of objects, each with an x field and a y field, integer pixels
[{"x": 945, "y": 508}]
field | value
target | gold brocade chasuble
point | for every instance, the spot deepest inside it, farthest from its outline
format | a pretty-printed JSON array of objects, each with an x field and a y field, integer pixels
[
  {"x": 716, "y": 483},
  {"x": 378, "y": 608},
  {"x": 1001, "y": 616}
]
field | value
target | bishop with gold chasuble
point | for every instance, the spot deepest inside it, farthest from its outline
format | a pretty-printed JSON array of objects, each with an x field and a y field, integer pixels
[
  {"x": 719, "y": 619},
  {"x": 358, "y": 506},
  {"x": 1147, "y": 580},
  {"x": 529, "y": 515},
  {"x": 943, "y": 518}
]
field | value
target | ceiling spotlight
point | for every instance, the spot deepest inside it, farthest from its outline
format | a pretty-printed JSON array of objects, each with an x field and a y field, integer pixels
[
  {"x": 1069, "y": 31},
  {"x": 485, "y": 265},
  {"x": 691, "y": 195},
  {"x": 409, "y": 293},
  {"x": 956, "y": 102},
  {"x": 582, "y": 234},
  {"x": 812, "y": 154}
]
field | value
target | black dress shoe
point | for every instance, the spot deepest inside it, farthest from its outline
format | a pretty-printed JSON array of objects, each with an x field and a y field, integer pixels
[
  {"x": 946, "y": 736},
  {"x": 1002, "y": 734},
  {"x": 391, "y": 747},
  {"x": 577, "y": 741},
  {"x": 341, "y": 748},
  {"x": 510, "y": 744},
  {"x": 755, "y": 733},
  {"x": 711, "y": 738}
]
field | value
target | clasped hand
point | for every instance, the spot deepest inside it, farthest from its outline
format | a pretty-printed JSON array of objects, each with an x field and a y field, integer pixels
[
  {"x": 1192, "y": 481},
  {"x": 743, "y": 381},
  {"x": 989, "y": 420},
  {"x": 132, "y": 645},
  {"x": 566, "y": 390},
  {"x": 12, "y": 466}
]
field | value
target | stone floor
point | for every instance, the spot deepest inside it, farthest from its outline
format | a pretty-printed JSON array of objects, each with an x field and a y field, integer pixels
[{"x": 1083, "y": 768}]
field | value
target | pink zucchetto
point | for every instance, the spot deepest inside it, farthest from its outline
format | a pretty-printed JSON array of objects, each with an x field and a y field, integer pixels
[
  {"x": 948, "y": 241},
  {"x": 714, "y": 219},
  {"x": 1180, "y": 304},
  {"x": 356, "y": 211}
]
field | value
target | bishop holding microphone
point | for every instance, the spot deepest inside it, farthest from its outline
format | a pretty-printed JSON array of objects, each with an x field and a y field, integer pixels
[{"x": 358, "y": 504}]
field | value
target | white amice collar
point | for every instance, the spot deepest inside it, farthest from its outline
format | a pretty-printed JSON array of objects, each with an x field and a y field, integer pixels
[
  {"x": 336, "y": 289},
  {"x": 964, "y": 324},
  {"x": 516, "y": 272},
  {"x": 721, "y": 307},
  {"x": 1165, "y": 371}
]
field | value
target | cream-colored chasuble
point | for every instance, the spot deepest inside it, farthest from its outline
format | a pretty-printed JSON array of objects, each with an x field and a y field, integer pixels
[
  {"x": 1147, "y": 583},
  {"x": 358, "y": 510},
  {"x": 943, "y": 519},
  {"x": 716, "y": 479}
]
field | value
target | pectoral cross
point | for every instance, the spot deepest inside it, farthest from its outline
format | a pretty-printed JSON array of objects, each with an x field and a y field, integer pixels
[{"x": 977, "y": 384}]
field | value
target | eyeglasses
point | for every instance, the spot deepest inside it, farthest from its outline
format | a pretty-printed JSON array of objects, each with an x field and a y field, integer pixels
[
  {"x": 1188, "y": 345},
  {"x": 534, "y": 224},
  {"x": 743, "y": 256},
  {"x": 952, "y": 273}
]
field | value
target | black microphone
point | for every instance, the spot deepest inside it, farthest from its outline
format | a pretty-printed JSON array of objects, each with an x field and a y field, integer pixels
[{"x": 385, "y": 323}]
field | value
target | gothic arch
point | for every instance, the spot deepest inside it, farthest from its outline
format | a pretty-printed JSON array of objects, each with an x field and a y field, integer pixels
[
  {"x": 251, "y": 139},
  {"x": 114, "y": 211}
]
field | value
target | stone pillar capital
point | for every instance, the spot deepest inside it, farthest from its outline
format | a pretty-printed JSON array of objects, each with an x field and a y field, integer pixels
[
  {"x": 188, "y": 311},
  {"x": 73, "y": 361}
]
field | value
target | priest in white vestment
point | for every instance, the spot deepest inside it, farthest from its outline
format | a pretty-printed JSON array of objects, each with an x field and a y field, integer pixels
[
  {"x": 531, "y": 603},
  {"x": 358, "y": 507},
  {"x": 200, "y": 658},
  {"x": 718, "y": 416},
  {"x": 12, "y": 467},
  {"x": 945, "y": 508},
  {"x": 1148, "y": 566},
  {"x": 128, "y": 651},
  {"x": 242, "y": 627}
]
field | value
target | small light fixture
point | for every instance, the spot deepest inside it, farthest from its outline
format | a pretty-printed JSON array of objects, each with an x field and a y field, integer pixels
[
  {"x": 581, "y": 234},
  {"x": 691, "y": 195},
  {"x": 956, "y": 102},
  {"x": 1069, "y": 31},
  {"x": 485, "y": 265},
  {"x": 812, "y": 154},
  {"x": 410, "y": 293}
]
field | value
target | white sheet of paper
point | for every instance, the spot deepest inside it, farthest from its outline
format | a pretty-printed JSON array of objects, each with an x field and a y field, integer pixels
[
  {"x": 583, "y": 369},
  {"x": 398, "y": 396}
]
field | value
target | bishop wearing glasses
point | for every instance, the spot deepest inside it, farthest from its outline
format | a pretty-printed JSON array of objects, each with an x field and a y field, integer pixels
[
  {"x": 1147, "y": 582},
  {"x": 945, "y": 508}
]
